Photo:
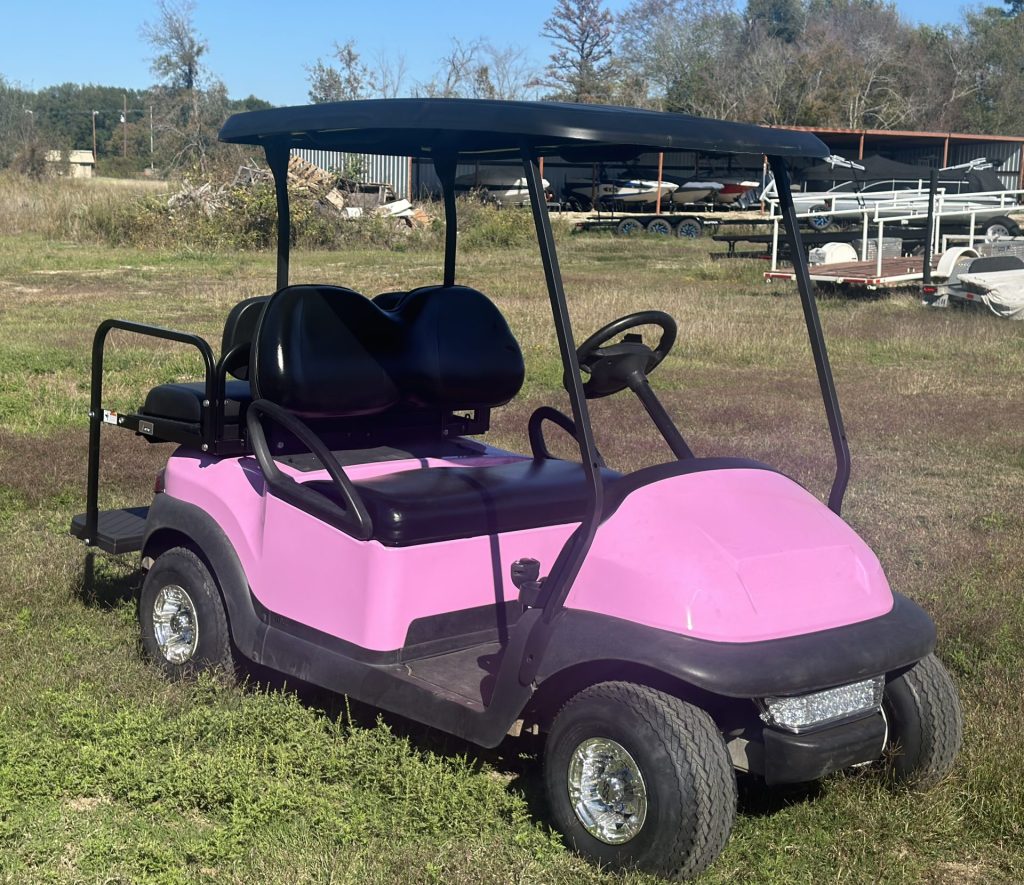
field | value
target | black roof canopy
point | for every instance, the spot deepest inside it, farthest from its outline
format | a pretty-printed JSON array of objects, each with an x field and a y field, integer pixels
[{"x": 426, "y": 127}]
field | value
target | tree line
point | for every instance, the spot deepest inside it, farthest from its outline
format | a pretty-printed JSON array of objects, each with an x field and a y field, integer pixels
[
  {"x": 854, "y": 64},
  {"x": 830, "y": 63}
]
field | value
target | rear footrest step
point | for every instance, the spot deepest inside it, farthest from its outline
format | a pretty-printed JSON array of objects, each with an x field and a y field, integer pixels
[{"x": 117, "y": 531}]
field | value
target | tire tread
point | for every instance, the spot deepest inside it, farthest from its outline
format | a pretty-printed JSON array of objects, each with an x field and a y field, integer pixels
[{"x": 701, "y": 762}]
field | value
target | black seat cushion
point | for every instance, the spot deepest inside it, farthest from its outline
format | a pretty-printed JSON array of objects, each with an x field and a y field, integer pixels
[
  {"x": 184, "y": 401},
  {"x": 443, "y": 503}
]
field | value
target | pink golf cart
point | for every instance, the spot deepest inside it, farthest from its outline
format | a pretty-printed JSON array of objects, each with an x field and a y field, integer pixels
[{"x": 334, "y": 512}]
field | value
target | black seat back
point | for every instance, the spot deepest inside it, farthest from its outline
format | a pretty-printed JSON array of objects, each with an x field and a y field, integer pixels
[
  {"x": 325, "y": 352},
  {"x": 240, "y": 328}
]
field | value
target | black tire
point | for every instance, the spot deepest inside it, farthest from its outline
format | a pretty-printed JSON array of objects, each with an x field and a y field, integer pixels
[
  {"x": 690, "y": 228},
  {"x": 821, "y": 222},
  {"x": 661, "y": 227},
  {"x": 181, "y": 569},
  {"x": 922, "y": 709},
  {"x": 1000, "y": 226},
  {"x": 684, "y": 767},
  {"x": 629, "y": 227}
]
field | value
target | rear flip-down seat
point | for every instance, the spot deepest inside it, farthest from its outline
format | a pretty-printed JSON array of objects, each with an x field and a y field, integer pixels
[{"x": 183, "y": 402}]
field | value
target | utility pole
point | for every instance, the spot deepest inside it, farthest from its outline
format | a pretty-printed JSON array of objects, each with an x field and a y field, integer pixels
[
  {"x": 124, "y": 120},
  {"x": 94, "y": 156},
  {"x": 151, "y": 136}
]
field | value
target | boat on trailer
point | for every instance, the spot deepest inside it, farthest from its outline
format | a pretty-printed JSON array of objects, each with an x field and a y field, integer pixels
[
  {"x": 502, "y": 185},
  {"x": 619, "y": 191}
]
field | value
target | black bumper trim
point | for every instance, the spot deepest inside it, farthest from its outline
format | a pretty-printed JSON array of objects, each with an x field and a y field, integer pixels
[
  {"x": 795, "y": 758},
  {"x": 791, "y": 665}
]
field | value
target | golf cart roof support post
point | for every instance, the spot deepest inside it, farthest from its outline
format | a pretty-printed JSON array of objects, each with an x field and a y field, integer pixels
[
  {"x": 277, "y": 159},
  {"x": 570, "y": 559},
  {"x": 445, "y": 165},
  {"x": 818, "y": 350}
]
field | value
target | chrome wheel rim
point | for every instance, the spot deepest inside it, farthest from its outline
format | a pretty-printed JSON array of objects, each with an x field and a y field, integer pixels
[
  {"x": 607, "y": 790},
  {"x": 174, "y": 624},
  {"x": 996, "y": 232}
]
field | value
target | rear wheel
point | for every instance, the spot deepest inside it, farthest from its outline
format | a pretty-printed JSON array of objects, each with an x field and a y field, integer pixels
[
  {"x": 922, "y": 710},
  {"x": 660, "y": 226},
  {"x": 181, "y": 616},
  {"x": 637, "y": 778}
]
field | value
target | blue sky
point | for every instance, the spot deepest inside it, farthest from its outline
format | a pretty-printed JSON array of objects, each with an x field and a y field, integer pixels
[{"x": 262, "y": 48}]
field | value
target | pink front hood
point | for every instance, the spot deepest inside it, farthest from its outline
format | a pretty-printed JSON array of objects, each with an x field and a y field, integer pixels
[{"x": 735, "y": 555}]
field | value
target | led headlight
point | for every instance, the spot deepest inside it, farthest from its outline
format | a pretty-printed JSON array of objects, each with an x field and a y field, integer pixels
[{"x": 823, "y": 707}]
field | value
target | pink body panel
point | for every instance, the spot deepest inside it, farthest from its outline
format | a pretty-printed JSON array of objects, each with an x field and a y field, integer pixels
[
  {"x": 731, "y": 556},
  {"x": 725, "y": 555},
  {"x": 360, "y": 591}
]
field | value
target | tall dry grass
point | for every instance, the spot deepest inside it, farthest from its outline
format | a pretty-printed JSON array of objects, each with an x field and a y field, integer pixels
[{"x": 64, "y": 208}]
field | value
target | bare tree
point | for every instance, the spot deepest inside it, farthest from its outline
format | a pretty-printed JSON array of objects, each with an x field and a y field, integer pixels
[
  {"x": 346, "y": 79},
  {"x": 190, "y": 104},
  {"x": 456, "y": 76},
  {"x": 581, "y": 67},
  {"x": 391, "y": 74},
  {"x": 179, "y": 49},
  {"x": 510, "y": 73}
]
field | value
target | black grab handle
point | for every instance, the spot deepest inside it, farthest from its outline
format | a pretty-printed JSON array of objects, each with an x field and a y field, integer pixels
[
  {"x": 535, "y": 427},
  {"x": 352, "y": 518}
]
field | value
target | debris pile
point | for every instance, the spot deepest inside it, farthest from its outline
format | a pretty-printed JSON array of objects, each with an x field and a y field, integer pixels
[{"x": 346, "y": 198}]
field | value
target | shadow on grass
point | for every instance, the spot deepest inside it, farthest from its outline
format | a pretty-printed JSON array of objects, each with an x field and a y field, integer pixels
[
  {"x": 105, "y": 586},
  {"x": 757, "y": 799},
  {"x": 519, "y": 760}
]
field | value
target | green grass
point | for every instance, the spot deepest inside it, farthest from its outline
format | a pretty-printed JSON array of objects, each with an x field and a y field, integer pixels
[{"x": 110, "y": 774}]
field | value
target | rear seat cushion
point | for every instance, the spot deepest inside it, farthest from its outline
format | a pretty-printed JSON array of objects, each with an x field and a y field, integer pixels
[{"x": 184, "y": 401}]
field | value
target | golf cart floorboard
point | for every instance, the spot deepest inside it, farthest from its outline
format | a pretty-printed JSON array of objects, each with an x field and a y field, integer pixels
[
  {"x": 466, "y": 676},
  {"x": 117, "y": 531}
]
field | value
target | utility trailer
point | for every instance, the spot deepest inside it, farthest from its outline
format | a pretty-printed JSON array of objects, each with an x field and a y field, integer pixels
[{"x": 687, "y": 225}]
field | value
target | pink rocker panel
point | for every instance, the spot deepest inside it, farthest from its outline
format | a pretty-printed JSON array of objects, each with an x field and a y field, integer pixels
[{"x": 726, "y": 555}]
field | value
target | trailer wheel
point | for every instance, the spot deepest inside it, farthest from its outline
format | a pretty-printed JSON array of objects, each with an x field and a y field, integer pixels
[
  {"x": 689, "y": 227},
  {"x": 1000, "y": 227},
  {"x": 821, "y": 221},
  {"x": 629, "y": 226},
  {"x": 660, "y": 226},
  {"x": 183, "y": 625},
  {"x": 640, "y": 779},
  {"x": 922, "y": 710}
]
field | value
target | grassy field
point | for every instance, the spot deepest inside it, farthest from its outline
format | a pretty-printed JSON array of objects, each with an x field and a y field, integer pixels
[{"x": 110, "y": 774}]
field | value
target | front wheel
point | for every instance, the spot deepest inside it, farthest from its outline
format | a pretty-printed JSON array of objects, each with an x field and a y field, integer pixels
[
  {"x": 636, "y": 778},
  {"x": 181, "y": 616},
  {"x": 922, "y": 711}
]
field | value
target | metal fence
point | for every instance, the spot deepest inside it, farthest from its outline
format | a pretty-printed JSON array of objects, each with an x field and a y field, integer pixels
[{"x": 370, "y": 167}]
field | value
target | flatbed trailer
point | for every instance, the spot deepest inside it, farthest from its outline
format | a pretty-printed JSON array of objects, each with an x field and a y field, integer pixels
[{"x": 872, "y": 274}]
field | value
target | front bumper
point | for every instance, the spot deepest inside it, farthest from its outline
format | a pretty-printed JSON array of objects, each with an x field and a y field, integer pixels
[{"x": 788, "y": 758}]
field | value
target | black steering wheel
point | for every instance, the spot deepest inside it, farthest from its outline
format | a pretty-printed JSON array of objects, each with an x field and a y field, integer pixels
[{"x": 616, "y": 366}]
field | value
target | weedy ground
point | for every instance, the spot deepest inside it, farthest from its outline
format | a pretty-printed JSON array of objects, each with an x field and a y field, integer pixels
[{"x": 110, "y": 774}]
